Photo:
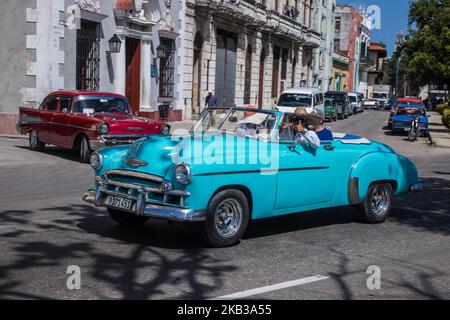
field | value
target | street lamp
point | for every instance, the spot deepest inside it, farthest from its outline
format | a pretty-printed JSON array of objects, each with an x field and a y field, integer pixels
[
  {"x": 114, "y": 44},
  {"x": 161, "y": 51}
]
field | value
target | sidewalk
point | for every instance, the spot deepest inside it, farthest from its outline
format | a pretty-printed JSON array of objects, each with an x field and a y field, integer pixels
[
  {"x": 439, "y": 135},
  {"x": 185, "y": 125}
]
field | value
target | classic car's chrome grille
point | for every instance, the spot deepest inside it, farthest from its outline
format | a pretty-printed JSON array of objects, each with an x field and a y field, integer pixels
[{"x": 132, "y": 184}]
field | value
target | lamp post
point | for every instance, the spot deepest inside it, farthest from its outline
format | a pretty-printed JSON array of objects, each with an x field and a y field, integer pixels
[
  {"x": 161, "y": 51},
  {"x": 114, "y": 44},
  {"x": 397, "y": 71}
]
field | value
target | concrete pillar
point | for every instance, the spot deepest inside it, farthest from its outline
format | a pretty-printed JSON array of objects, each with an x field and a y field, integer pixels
[
  {"x": 146, "y": 61},
  {"x": 119, "y": 60}
]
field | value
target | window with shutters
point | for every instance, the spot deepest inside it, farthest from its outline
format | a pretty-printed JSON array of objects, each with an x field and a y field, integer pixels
[
  {"x": 248, "y": 75},
  {"x": 167, "y": 70},
  {"x": 275, "y": 70},
  {"x": 88, "y": 56}
]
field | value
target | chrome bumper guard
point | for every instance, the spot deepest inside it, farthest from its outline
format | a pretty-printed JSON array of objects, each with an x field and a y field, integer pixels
[
  {"x": 157, "y": 211},
  {"x": 113, "y": 140},
  {"x": 417, "y": 187}
]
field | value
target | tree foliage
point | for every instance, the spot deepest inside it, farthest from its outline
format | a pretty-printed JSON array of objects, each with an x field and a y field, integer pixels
[{"x": 426, "y": 52}]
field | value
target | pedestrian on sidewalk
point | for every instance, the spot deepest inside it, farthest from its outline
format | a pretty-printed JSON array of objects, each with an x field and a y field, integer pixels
[{"x": 211, "y": 100}]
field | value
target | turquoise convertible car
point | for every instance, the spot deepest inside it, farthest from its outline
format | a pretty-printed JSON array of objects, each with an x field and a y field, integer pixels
[{"x": 238, "y": 164}]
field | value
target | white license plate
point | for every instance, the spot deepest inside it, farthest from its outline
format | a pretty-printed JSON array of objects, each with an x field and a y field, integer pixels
[
  {"x": 118, "y": 202},
  {"x": 407, "y": 129}
]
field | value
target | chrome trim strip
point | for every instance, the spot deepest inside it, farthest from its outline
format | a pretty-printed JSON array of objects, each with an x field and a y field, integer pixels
[
  {"x": 179, "y": 193},
  {"x": 258, "y": 171},
  {"x": 134, "y": 174},
  {"x": 157, "y": 211}
]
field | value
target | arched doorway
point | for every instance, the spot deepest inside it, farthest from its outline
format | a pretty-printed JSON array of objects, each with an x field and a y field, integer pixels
[
  {"x": 262, "y": 60},
  {"x": 197, "y": 73}
]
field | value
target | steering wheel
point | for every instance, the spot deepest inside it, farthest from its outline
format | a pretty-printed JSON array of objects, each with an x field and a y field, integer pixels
[{"x": 115, "y": 108}]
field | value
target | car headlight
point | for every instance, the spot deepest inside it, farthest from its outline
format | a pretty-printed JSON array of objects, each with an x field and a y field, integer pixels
[
  {"x": 183, "y": 173},
  {"x": 103, "y": 128},
  {"x": 165, "y": 129},
  {"x": 96, "y": 160}
]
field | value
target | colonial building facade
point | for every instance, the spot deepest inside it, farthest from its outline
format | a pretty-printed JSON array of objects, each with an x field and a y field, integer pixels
[
  {"x": 65, "y": 44},
  {"x": 247, "y": 52},
  {"x": 163, "y": 52},
  {"x": 347, "y": 41}
]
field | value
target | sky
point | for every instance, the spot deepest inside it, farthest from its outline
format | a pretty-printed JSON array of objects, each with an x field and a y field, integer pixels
[{"x": 394, "y": 17}]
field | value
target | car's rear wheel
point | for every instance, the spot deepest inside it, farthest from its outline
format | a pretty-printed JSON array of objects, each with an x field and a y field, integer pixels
[
  {"x": 227, "y": 220},
  {"x": 85, "y": 150},
  {"x": 126, "y": 219},
  {"x": 34, "y": 142},
  {"x": 378, "y": 202}
]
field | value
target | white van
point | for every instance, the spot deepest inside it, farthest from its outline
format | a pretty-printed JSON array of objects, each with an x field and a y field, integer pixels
[{"x": 310, "y": 98}]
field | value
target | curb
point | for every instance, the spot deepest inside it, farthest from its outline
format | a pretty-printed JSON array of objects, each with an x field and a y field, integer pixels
[{"x": 13, "y": 136}]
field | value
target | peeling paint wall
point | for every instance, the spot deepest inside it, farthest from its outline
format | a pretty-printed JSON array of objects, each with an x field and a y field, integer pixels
[{"x": 14, "y": 58}]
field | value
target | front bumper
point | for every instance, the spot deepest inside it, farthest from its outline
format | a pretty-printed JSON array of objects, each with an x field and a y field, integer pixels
[
  {"x": 113, "y": 140},
  {"x": 164, "y": 212},
  {"x": 417, "y": 187}
]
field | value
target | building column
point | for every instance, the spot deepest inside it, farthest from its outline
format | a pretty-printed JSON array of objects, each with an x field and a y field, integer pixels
[
  {"x": 146, "y": 62},
  {"x": 119, "y": 60}
]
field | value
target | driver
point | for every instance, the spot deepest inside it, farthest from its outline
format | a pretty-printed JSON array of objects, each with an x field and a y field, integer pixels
[{"x": 302, "y": 134}]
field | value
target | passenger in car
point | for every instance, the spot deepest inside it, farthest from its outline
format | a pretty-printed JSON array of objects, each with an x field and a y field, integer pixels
[{"x": 323, "y": 133}]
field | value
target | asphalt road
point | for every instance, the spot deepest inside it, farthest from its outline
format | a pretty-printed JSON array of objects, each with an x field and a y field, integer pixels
[{"x": 45, "y": 227}]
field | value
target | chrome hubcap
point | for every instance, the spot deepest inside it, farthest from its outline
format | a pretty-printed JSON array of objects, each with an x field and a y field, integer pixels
[
  {"x": 228, "y": 217},
  {"x": 33, "y": 138},
  {"x": 379, "y": 200}
]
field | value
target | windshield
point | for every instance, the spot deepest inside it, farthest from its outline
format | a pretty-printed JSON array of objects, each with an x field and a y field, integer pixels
[
  {"x": 352, "y": 98},
  {"x": 294, "y": 99},
  {"x": 101, "y": 104},
  {"x": 244, "y": 123},
  {"x": 411, "y": 103},
  {"x": 335, "y": 96},
  {"x": 377, "y": 95},
  {"x": 410, "y": 111}
]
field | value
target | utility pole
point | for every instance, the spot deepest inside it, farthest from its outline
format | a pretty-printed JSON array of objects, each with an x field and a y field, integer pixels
[{"x": 397, "y": 71}]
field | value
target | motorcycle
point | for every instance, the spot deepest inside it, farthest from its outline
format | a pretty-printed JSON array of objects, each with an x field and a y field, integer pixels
[{"x": 414, "y": 131}]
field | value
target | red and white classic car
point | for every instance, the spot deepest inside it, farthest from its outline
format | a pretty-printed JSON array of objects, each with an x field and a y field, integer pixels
[{"x": 84, "y": 121}]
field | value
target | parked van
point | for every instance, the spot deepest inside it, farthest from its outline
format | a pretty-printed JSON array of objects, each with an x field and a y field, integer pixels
[
  {"x": 310, "y": 98},
  {"x": 357, "y": 104}
]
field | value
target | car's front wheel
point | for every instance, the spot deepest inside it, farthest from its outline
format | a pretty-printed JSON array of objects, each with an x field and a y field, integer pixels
[
  {"x": 85, "y": 150},
  {"x": 227, "y": 220},
  {"x": 377, "y": 204},
  {"x": 126, "y": 219},
  {"x": 34, "y": 142}
]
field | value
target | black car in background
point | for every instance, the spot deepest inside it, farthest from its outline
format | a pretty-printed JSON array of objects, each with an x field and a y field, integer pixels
[{"x": 342, "y": 102}]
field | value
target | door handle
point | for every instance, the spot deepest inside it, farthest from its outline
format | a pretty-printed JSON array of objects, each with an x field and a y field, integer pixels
[{"x": 328, "y": 147}]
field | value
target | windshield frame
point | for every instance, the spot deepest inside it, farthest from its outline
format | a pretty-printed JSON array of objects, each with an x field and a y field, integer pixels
[{"x": 205, "y": 112}]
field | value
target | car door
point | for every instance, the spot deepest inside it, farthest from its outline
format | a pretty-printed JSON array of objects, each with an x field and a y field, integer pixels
[
  {"x": 48, "y": 107},
  {"x": 306, "y": 177},
  {"x": 61, "y": 118}
]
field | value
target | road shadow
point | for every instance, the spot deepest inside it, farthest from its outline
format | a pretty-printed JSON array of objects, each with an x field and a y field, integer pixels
[
  {"x": 65, "y": 154},
  {"x": 427, "y": 211},
  {"x": 150, "y": 260}
]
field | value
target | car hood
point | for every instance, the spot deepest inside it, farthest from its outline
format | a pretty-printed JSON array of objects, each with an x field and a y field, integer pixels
[
  {"x": 129, "y": 124},
  {"x": 201, "y": 151}
]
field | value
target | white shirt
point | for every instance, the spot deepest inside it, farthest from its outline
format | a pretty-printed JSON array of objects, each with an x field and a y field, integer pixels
[{"x": 309, "y": 137}]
